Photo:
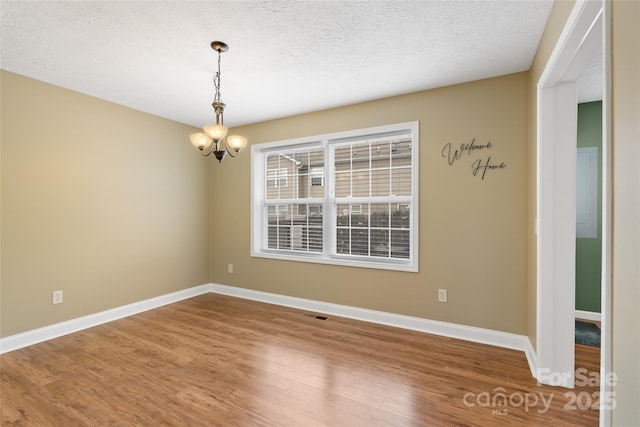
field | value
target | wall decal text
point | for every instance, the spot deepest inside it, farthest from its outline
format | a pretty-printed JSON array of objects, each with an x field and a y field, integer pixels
[{"x": 479, "y": 166}]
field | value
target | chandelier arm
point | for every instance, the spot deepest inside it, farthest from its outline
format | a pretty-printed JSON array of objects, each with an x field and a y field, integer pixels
[
  {"x": 213, "y": 146},
  {"x": 226, "y": 147}
]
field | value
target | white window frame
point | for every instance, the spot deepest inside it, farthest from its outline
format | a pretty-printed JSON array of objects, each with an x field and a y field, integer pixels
[{"x": 259, "y": 230}]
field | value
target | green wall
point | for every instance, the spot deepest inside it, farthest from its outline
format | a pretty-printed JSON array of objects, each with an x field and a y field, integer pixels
[{"x": 589, "y": 251}]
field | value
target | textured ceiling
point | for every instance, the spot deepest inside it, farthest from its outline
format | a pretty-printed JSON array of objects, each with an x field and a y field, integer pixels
[
  {"x": 285, "y": 57},
  {"x": 590, "y": 87}
]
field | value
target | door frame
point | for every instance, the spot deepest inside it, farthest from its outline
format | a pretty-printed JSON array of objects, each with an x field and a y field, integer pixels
[{"x": 587, "y": 29}]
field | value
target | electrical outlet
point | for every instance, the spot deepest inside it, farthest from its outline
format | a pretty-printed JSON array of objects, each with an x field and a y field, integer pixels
[
  {"x": 229, "y": 268},
  {"x": 442, "y": 295},
  {"x": 56, "y": 297}
]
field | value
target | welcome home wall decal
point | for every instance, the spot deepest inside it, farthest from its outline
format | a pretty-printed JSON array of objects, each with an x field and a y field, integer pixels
[{"x": 480, "y": 166}]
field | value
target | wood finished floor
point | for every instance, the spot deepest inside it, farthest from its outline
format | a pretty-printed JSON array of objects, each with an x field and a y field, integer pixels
[{"x": 215, "y": 360}]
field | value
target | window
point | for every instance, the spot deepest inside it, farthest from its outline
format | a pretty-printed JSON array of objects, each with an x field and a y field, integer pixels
[
  {"x": 276, "y": 178},
  {"x": 355, "y": 209},
  {"x": 317, "y": 176},
  {"x": 349, "y": 198}
]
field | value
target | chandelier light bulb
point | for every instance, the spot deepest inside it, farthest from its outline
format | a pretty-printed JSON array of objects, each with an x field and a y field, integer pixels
[
  {"x": 236, "y": 142},
  {"x": 200, "y": 140},
  {"x": 215, "y": 132}
]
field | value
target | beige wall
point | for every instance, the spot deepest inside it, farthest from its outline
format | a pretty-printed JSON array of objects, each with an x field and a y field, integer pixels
[
  {"x": 626, "y": 210},
  {"x": 472, "y": 232},
  {"x": 108, "y": 204}
]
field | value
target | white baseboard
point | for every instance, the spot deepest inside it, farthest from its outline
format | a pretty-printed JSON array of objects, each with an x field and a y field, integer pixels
[
  {"x": 451, "y": 330},
  {"x": 588, "y": 315},
  {"x": 532, "y": 358},
  {"x": 35, "y": 336},
  {"x": 467, "y": 333}
]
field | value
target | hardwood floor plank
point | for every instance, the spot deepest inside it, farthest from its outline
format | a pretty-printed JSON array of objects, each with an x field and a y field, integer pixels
[
  {"x": 215, "y": 360},
  {"x": 204, "y": 405},
  {"x": 267, "y": 406}
]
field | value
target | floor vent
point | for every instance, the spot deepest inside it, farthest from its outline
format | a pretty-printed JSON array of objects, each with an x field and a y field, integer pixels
[{"x": 315, "y": 316}]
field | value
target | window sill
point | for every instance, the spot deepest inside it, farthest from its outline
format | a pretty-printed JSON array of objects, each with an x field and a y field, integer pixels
[{"x": 406, "y": 266}]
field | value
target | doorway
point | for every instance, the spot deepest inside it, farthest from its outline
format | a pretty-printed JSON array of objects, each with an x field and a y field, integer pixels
[{"x": 585, "y": 34}]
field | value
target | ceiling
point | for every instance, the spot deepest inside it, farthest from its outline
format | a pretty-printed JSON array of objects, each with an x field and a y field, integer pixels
[{"x": 285, "y": 57}]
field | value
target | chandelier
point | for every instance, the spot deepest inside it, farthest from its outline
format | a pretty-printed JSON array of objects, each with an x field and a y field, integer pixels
[{"x": 215, "y": 136}]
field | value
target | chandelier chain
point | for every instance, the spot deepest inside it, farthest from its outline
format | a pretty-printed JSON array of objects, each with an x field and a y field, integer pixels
[{"x": 216, "y": 82}]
